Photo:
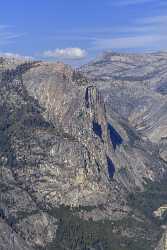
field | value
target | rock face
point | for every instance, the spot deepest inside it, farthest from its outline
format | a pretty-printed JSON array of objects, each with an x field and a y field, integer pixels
[
  {"x": 135, "y": 87},
  {"x": 163, "y": 242},
  {"x": 11, "y": 240},
  {"x": 65, "y": 156}
]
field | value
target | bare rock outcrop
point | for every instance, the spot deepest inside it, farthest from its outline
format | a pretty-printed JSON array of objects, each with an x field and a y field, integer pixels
[{"x": 61, "y": 151}]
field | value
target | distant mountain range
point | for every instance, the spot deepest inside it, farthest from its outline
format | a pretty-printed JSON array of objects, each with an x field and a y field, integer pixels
[{"x": 83, "y": 154}]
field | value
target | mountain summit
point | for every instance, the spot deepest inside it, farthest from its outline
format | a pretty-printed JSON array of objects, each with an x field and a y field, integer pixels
[{"x": 80, "y": 151}]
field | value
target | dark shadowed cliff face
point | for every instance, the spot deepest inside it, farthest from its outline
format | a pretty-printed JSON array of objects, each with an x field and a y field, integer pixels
[{"x": 65, "y": 161}]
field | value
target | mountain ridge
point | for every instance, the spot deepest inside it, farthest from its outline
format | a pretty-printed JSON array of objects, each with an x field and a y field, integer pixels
[{"x": 62, "y": 148}]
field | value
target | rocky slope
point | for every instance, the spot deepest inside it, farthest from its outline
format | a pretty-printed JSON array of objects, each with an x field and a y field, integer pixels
[
  {"x": 66, "y": 158},
  {"x": 135, "y": 87}
]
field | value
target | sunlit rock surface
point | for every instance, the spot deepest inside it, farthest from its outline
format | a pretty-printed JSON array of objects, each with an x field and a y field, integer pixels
[
  {"x": 134, "y": 85},
  {"x": 63, "y": 148}
]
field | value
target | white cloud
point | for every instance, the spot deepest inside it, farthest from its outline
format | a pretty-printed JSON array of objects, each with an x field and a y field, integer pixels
[
  {"x": 131, "y": 2},
  {"x": 127, "y": 42},
  {"x": 3, "y": 26},
  {"x": 8, "y": 36},
  {"x": 66, "y": 53},
  {"x": 16, "y": 56},
  {"x": 154, "y": 20},
  {"x": 145, "y": 33}
]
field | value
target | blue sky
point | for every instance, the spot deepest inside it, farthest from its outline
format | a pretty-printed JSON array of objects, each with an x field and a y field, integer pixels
[{"x": 77, "y": 31}]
